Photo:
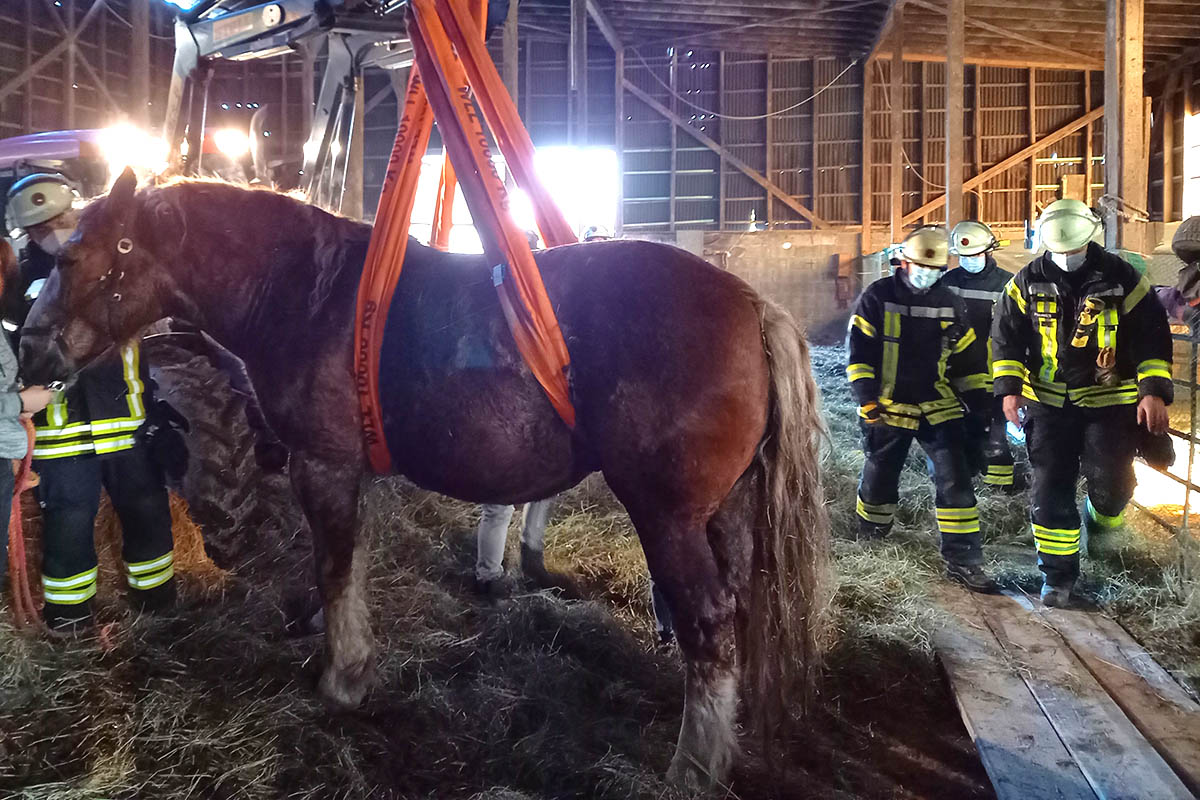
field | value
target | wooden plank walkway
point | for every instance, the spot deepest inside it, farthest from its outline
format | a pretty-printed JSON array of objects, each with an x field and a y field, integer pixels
[{"x": 1065, "y": 705}]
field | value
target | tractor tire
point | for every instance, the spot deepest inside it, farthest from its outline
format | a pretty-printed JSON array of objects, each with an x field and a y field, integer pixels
[{"x": 229, "y": 495}]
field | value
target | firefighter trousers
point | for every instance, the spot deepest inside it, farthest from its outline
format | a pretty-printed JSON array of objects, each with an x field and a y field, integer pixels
[
  {"x": 886, "y": 449},
  {"x": 1063, "y": 442},
  {"x": 69, "y": 495}
]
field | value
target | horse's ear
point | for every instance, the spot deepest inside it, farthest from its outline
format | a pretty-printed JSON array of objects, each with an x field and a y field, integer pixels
[{"x": 120, "y": 196}]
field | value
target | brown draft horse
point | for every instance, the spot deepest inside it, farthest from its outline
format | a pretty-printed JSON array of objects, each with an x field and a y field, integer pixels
[{"x": 694, "y": 397}]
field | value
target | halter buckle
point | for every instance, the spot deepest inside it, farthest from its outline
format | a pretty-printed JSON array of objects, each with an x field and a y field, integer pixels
[{"x": 125, "y": 245}]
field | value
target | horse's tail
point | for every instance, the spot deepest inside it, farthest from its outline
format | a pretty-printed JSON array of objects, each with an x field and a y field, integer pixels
[{"x": 784, "y": 628}]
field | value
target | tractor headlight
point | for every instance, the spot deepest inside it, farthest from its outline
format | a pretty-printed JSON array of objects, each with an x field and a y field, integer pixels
[
  {"x": 232, "y": 142},
  {"x": 129, "y": 146}
]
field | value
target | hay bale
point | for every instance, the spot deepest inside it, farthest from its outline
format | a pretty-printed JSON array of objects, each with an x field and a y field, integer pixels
[{"x": 192, "y": 564}]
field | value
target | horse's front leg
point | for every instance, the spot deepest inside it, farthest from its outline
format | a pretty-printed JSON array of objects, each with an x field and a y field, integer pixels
[{"x": 328, "y": 493}]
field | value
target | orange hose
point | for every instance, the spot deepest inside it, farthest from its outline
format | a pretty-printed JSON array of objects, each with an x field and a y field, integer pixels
[{"x": 24, "y": 608}]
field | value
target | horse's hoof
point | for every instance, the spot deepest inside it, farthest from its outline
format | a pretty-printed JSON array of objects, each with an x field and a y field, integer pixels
[
  {"x": 306, "y": 625},
  {"x": 559, "y": 581},
  {"x": 684, "y": 774},
  {"x": 344, "y": 689}
]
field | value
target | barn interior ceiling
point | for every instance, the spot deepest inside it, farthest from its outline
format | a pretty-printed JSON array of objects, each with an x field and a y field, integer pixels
[{"x": 1047, "y": 33}]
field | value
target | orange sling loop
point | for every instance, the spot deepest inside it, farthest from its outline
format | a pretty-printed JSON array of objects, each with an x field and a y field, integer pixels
[
  {"x": 443, "y": 207},
  {"x": 25, "y": 609},
  {"x": 522, "y": 295}
]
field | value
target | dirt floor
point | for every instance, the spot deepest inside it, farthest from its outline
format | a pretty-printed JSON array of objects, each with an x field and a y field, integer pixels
[{"x": 535, "y": 697}]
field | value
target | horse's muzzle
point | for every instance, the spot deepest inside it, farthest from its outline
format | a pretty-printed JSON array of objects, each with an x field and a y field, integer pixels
[{"x": 42, "y": 360}]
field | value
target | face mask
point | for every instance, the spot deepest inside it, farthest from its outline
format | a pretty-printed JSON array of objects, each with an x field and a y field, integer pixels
[
  {"x": 53, "y": 241},
  {"x": 973, "y": 263},
  {"x": 1069, "y": 261},
  {"x": 923, "y": 278}
]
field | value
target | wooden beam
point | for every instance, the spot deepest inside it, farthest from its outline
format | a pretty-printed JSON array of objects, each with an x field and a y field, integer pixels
[
  {"x": 577, "y": 73},
  {"x": 889, "y": 21},
  {"x": 619, "y": 134},
  {"x": 988, "y": 58},
  {"x": 604, "y": 24},
  {"x": 721, "y": 187},
  {"x": 769, "y": 134},
  {"x": 1124, "y": 154},
  {"x": 1031, "y": 79},
  {"x": 139, "y": 61},
  {"x": 1088, "y": 144},
  {"x": 896, "y": 101},
  {"x": 814, "y": 160},
  {"x": 1184, "y": 59},
  {"x": 1014, "y": 159},
  {"x": 510, "y": 56},
  {"x": 955, "y": 48},
  {"x": 674, "y": 175},
  {"x": 1168, "y": 139},
  {"x": 1007, "y": 33},
  {"x": 733, "y": 160},
  {"x": 867, "y": 189},
  {"x": 977, "y": 136}
]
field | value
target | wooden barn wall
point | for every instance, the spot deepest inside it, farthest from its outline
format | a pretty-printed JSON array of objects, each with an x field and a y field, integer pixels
[
  {"x": 1172, "y": 101},
  {"x": 999, "y": 121},
  {"x": 42, "y": 87}
]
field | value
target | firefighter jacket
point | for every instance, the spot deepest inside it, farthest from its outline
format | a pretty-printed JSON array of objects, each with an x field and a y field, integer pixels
[
  {"x": 106, "y": 405},
  {"x": 979, "y": 292},
  {"x": 914, "y": 355},
  {"x": 1096, "y": 336}
]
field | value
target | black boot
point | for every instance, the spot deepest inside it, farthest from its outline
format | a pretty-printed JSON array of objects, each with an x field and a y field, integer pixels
[
  {"x": 160, "y": 598},
  {"x": 1056, "y": 596},
  {"x": 871, "y": 531},
  {"x": 973, "y": 577}
]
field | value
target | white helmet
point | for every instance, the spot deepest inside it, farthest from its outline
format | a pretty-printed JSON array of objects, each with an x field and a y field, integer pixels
[
  {"x": 1067, "y": 225},
  {"x": 971, "y": 238},
  {"x": 39, "y": 198},
  {"x": 927, "y": 246},
  {"x": 595, "y": 232}
]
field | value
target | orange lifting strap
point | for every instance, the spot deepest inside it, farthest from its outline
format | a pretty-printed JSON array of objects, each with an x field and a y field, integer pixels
[{"x": 452, "y": 68}]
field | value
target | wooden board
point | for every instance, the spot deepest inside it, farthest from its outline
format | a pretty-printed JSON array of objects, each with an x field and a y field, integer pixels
[
  {"x": 1022, "y": 753},
  {"x": 1116, "y": 760},
  {"x": 1160, "y": 708}
]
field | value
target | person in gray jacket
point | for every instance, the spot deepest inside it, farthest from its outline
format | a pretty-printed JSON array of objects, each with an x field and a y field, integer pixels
[{"x": 15, "y": 403}]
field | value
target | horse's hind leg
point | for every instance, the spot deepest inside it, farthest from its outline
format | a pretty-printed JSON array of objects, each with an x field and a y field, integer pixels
[
  {"x": 703, "y": 609},
  {"x": 328, "y": 493}
]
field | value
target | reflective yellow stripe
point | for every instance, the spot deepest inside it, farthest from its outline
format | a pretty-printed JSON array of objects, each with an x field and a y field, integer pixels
[
  {"x": 938, "y": 417},
  {"x": 878, "y": 513},
  {"x": 1153, "y": 368},
  {"x": 151, "y": 581},
  {"x": 1135, "y": 296},
  {"x": 958, "y": 520},
  {"x": 114, "y": 444},
  {"x": 1125, "y": 393},
  {"x": 63, "y": 450},
  {"x": 1048, "y": 328},
  {"x": 73, "y": 582},
  {"x": 970, "y": 512},
  {"x": 965, "y": 341},
  {"x": 131, "y": 359},
  {"x": 861, "y": 323},
  {"x": 971, "y": 382},
  {"x": 1007, "y": 368},
  {"x": 1014, "y": 291},
  {"x": 1103, "y": 520},
  {"x": 891, "y": 352},
  {"x": 62, "y": 433},
  {"x": 999, "y": 475},
  {"x": 858, "y": 372},
  {"x": 142, "y": 567},
  {"x": 62, "y": 598},
  {"x": 56, "y": 412},
  {"x": 1056, "y": 541},
  {"x": 1106, "y": 328},
  {"x": 1000, "y": 469},
  {"x": 1051, "y": 394}
]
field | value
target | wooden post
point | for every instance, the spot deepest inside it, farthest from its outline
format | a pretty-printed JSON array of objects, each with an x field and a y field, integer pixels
[
  {"x": 139, "y": 61},
  {"x": 977, "y": 138},
  {"x": 510, "y": 58},
  {"x": 578, "y": 72},
  {"x": 69, "y": 84},
  {"x": 674, "y": 132},
  {"x": 923, "y": 121},
  {"x": 867, "y": 189},
  {"x": 814, "y": 120},
  {"x": 1088, "y": 143},
  {"x": 1124, "y": 154},
  {"x": 1168, "y": 123},
  {"x": 769, "y": 144},
  {"x": 955, "y": 51},
  {"x": 1031, "y": 78},
  {"x": 619, "y": 135},
  {"x": 721, "y": 187},
  {"x": 896, "y": 99}
]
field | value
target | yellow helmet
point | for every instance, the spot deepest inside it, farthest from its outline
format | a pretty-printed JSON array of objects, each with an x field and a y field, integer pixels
[
  {"x": 1067, "y": 225},
  {"x": 928, "y": 246},
  {"x": 971, "y": 237}
]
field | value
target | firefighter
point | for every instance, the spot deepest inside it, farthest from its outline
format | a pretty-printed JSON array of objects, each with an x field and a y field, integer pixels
[
  {"x": 1081, "y": 355},
  {"x": 915, "y": 368},
  {"x": 87, "y": 438},
  {"x": 979, "y": 282}
]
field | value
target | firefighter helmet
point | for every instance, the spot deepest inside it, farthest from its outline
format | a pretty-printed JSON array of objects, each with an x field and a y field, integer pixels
[
  {"x": 1186, "y": 242},
  {"x": 971, "y": 238},
  {"x": 39, "y": 198},
  {"x": 1067, "y": 225},
  {"x": 927, "y": 246}
]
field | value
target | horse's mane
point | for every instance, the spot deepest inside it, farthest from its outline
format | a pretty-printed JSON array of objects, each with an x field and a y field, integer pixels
[{"x": 295, "y": 235}]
